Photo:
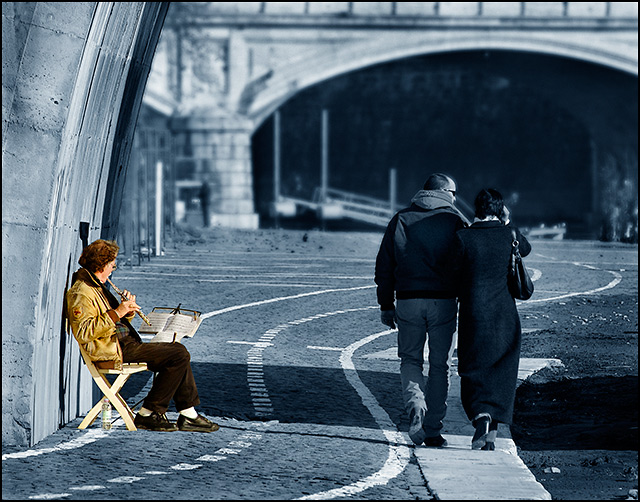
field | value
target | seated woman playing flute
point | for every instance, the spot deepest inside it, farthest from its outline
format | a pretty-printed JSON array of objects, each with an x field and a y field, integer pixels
[{"x": 102, "y": 325}]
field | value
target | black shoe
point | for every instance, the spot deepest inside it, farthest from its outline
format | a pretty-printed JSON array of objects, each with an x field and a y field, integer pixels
[
  {"x": 489, "y": 446},
  {"x": 435, "y": 441},
  {"x": 154, "y": 422},
  {"x": 482, "y": 431},
  {"x": 199, "y": 424}
]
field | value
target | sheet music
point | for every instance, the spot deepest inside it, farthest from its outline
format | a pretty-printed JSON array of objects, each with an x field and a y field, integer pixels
[
  {"x": 169, "y": 326},
  {"x": 159, "y": 321}
]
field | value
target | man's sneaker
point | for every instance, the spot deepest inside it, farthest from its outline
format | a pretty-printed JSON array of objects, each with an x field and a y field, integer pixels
[
  {"x": 199, "y": 424},
  {"x": 435, "y": 441},
  {"x": 154, "y": 422},
  {"x": 416, "y": 432}
]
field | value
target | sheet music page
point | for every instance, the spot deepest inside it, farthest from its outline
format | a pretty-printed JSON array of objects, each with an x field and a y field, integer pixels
[
  {"x": 182, "y": 324},
  {"x": 158, "y": 320}
]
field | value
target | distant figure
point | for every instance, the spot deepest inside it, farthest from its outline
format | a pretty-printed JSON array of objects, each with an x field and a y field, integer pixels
[
  {"x": 204, "y": 195},
  {"x": 489, "y": 331},
  {"x": 413, "y": 268}
]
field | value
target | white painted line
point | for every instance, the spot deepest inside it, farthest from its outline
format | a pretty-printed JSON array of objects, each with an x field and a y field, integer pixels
[
  {"x": 612, "y": 284},
  {"x": 282, "y": 298},
  {"x": 535, "y": 273},
  {"x": 313, "y": 347},
  {"x": 125, "y": 479},
  {"x": 86, "y": 438},
  {"x": 49, "y": 496},
  {"x": 398, "y": 456},
  {"x": 186, "y": 467},
  {"x": 250, "y": 435},
  {"x": 88, "y": 487},
  {"x": 240, "y": 342},
  {"x": 240, "y": 444},
  {"x": 210, "y": 458}
]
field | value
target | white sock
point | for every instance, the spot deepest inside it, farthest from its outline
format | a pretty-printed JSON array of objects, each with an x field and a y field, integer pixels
[
  {"x": 145, "y": 412},
  {"x": 189, "y": 412}
]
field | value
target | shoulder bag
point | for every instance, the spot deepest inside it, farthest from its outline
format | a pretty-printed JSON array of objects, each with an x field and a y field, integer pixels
[{"x": 520, "y": 284}]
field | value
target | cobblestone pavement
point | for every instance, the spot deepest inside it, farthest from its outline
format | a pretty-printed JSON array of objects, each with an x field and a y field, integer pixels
[{"x": 292, "y": 361}]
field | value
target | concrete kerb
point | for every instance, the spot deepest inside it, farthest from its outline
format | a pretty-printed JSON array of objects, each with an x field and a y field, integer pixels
[{"x": 458, "y": 473}]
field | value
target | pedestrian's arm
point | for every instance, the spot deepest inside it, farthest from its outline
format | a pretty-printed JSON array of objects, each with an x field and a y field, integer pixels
[
  {"x": 385, "y": 267},
  {"x": 525, "y": 245}
]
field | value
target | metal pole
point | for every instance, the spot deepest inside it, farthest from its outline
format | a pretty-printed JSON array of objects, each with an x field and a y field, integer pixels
[
  {"x": 392, "y": 190},
  {"x": 276, "y": 156},
  {"x": 276, "y": 165},
  {"x": 325, "y": 155},
  {"x": 158, "y": 211}
]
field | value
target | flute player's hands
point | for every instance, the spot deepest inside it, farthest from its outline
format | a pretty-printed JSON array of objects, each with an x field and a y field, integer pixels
[{"x": 128, "y": 305}]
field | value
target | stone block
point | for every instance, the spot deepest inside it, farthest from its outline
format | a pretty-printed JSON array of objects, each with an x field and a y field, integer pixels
[
  {"x": 624, "y": 9},
  {"x": 587, "y": 9},
  {"x": 328, "y": 8},
  {"x": 28, "y": 169},
  {"x": 239, "y": 191},
  {"x": 458, "y": 8},
  {"x": 232, "y": 167},
  {"x": 230, "y": 7},
  {"x": 46, "y": 77},
  {"x": 235, "y": 206},
  {"x": 248, "y": 221},
  {"x": 544, "y": 9},
  {"x": 284, "y": 8},
  {"x": 68, "y": 18},
  {"x": 501, "y": 9},
  {"x": 372, "y": 8},
  {"x": 224, "y": 152},
  {"x": 417, "y": 9}
]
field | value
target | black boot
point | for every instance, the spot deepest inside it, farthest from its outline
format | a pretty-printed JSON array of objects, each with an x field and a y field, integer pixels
[{"x": 481, "y": 423}]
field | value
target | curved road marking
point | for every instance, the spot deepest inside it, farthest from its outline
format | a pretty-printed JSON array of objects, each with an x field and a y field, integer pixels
[
  {"x": 398, "y": 457},
  {"x": 397, "y": 454},
  {"x": 612, "y": 284},
  {"x": 272, "y": 300},
  {"x": 88, "y": 437}
]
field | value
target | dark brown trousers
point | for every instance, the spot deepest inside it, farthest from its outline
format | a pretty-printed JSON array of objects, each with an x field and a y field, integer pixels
[{"x": 171, "y": 362}]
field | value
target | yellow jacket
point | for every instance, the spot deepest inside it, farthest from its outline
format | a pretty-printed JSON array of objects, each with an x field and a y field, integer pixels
[{"x": 92, "y": 318}]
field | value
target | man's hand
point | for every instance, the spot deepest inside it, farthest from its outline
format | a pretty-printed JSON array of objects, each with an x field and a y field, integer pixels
[
  {"x": 388, "y": 318},
  {"x": 128, "y": 306}
]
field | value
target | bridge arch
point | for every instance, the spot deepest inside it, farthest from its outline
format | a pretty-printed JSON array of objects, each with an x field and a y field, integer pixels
[{"x": 289, "y": 80}]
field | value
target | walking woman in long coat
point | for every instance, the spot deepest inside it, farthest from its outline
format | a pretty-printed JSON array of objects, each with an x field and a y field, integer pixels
[{"x": 489, "y": 331}]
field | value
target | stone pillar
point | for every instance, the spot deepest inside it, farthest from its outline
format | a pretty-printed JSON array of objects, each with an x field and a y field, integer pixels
[{"x": 219, "y": 146}]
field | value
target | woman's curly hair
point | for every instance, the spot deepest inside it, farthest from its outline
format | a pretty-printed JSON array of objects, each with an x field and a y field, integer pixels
[{"x": 97, "y": 254}]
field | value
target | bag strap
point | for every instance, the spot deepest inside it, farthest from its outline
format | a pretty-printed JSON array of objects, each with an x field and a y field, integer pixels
[{"x": 515, "y": 242}]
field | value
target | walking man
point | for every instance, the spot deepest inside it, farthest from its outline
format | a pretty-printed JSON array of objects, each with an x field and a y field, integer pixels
[{"x": 416, "y": 290}]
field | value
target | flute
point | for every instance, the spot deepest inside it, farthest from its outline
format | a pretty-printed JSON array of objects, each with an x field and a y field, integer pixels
[{"x": 139, "y": 312}]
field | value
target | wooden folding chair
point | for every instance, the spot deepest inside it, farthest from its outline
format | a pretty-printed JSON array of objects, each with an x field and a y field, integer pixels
[{"x": 110, "y": 391}]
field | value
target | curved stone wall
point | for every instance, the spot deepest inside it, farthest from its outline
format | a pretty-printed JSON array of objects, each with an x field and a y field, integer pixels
[{"x": 73, "y": 77}]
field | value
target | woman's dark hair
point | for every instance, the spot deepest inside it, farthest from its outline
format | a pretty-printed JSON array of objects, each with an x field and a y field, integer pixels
[
  {"x": 97, "y": 254},
  {"x": 489, "y": 202}
]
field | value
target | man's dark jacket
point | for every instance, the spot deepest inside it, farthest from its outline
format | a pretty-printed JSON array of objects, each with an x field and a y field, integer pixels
[{"x": 414, "y": 260}]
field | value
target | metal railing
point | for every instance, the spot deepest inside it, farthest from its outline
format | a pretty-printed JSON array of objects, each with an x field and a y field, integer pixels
[{"x": 148, "y": 204}]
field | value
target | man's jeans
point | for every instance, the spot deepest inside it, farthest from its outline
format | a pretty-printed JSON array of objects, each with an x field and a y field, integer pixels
[{"x": 425, "y": 401}]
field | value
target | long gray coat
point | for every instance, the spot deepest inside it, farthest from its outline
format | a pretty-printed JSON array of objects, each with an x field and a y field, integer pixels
[{"x": 489, "y": 331}]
